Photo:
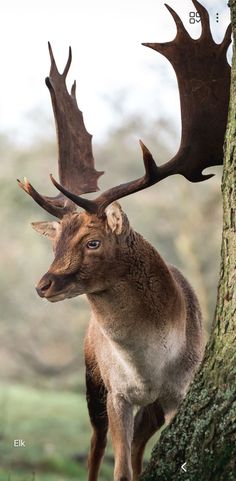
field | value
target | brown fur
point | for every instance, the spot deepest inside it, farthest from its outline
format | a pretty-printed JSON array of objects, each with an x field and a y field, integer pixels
[{"x": 144, "y": 340}]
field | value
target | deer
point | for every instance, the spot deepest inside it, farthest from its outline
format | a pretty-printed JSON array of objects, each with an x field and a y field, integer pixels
[{"x": 144, "y": 341}]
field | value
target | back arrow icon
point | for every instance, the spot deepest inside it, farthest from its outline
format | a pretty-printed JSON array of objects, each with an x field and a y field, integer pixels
[{"x": 183, "y": 467}]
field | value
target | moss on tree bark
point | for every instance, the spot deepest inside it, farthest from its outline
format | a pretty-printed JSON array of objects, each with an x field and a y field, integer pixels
[{"x": 203, "y": 434}]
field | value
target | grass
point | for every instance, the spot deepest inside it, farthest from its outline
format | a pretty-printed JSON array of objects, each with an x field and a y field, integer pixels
[{"x": 54, "y": 426}]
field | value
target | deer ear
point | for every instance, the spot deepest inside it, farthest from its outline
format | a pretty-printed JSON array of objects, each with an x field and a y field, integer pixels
[
  {"x": 49, "y": 229},
  {"x": 114, "y": 215}
]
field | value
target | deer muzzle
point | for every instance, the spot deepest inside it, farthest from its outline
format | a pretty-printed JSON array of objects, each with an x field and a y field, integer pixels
[
  {"x": 54, "y": 287},
  {"x": 45, "y": 286},
  {"x": 50, "y": 288}
]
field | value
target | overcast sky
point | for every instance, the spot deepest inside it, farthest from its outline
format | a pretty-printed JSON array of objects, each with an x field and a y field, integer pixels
[{"x": 108, "y": 59}]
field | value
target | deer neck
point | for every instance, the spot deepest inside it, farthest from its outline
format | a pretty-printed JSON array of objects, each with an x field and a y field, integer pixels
[{"x": 146, "y": 293}]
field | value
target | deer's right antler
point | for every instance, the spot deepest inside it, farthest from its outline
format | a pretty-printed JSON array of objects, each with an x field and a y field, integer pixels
[{"x": 203, "y": 75}]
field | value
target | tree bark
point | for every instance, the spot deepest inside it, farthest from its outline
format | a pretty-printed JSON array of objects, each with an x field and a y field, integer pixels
[{"x": 203, "y": 434}]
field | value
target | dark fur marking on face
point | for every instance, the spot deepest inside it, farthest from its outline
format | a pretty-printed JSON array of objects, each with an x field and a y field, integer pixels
[{"x": 70, "y": 226}]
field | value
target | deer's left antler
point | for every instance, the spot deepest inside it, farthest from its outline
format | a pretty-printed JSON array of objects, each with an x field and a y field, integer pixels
[{"x": 203, "y": 75}]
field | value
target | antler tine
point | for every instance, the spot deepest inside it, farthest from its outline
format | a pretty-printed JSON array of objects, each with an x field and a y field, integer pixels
[
  {"x": 73, "y": 90},
  {"x": 98, "y": 205},
  {"x": 181, "y": 30},
  {"x": 161, "y": 47},
  {"x": 53, "y": 62},
  {"x": 227, "y": 38},
  {"x": 45, "y": 202},
  {"x": 68, "y": 63},
  {"x": 205, "y": 20},
  {"x": 152, "y": 176},
  {"x": 52, "y": 58},
  {"x": 86, "y": 204}
]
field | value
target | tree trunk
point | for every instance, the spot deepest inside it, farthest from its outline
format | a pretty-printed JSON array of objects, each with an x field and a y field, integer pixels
[{"x": 203, "y": 434}]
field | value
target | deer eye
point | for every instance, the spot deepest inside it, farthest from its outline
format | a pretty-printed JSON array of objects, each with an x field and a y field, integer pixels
[{"x": 93, "y": 244}]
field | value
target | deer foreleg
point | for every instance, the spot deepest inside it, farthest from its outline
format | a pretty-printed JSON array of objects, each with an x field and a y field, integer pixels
[
  {"x": 146, "y": 422},
  {"x": 96, "y": 400},
  {"x": 120, "y": 415}
]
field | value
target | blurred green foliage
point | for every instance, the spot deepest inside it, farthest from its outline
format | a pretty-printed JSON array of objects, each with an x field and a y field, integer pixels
[{"x": 54, "y": 427}]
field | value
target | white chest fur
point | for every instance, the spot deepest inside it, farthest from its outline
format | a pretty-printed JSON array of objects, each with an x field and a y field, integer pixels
[{"x": 137, "y": 366}]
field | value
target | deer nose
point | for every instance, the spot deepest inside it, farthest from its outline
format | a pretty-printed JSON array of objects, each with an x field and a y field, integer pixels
[{"x": 44, "y": 285}]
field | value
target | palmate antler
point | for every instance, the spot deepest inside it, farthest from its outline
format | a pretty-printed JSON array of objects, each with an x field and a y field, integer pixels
[
  {"x": 203, "y": 75},
  {"x": 75, "y": 159}
]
